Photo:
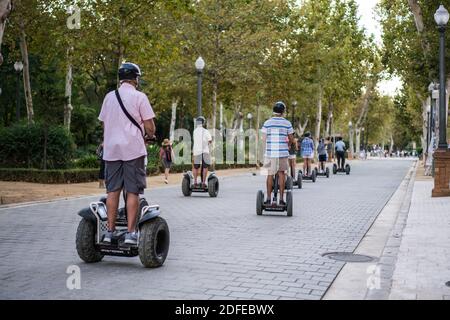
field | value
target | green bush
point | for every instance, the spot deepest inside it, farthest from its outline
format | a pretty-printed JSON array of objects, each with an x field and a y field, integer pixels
[
  {"x": 30, "y": 146},
  {"x": 88, "y": 161},
  {"x": 48, "y": 176}
]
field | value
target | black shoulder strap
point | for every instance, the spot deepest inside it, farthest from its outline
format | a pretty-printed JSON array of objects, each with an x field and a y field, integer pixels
[{"x": 126, "y": 112}]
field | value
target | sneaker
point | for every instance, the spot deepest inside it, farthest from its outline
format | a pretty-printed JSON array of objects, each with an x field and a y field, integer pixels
[
  {"x": 267, "y": 203},
  {"x": 108, "y": 236},
  {"x": 131, "y": 238},
  {"x": 165, "y": 181},
  {"x": 204, "y": 186},
  {"x": 282, "y": 203}
]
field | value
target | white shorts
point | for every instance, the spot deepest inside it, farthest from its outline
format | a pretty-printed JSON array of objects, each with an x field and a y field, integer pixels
[{"x": 292, "y": 157}]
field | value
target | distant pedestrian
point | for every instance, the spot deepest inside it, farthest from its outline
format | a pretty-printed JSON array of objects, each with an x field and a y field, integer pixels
[{"x": 166, "y": 156}]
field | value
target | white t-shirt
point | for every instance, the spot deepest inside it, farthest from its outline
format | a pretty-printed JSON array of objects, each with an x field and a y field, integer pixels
[{"x": 202, "y": 137}]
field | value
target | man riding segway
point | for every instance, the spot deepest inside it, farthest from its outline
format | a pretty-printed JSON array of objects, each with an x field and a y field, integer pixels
[
  {"x": 340, "y": 157},
  {"x": 137, "y": 229},
  {"x": 277, "y": 137},
  {"x": 201, "y": 162}
]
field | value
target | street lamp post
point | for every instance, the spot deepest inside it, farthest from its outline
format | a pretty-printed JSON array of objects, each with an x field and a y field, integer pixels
[
  {"x": 294, "y": 105},
  {"x": 249, "y": 117},
  {"x": 199, "y": 65},
  {"x": 18, "y": 66},
  {"x": 442, "y": 154}
]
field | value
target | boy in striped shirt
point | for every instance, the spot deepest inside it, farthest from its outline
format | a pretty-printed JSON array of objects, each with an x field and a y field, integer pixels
[{"x": 277, "y": 137}]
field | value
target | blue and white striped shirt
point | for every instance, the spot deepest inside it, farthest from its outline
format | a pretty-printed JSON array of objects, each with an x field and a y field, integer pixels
[{"x": 277, "y": 130}]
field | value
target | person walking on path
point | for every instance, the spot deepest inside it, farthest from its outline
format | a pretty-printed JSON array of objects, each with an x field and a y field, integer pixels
[
  {"x": 167, "y": 157},
  {"x": 127, "y": 118}
]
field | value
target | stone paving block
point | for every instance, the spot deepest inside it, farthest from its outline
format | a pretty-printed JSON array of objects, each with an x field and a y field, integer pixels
[{"x": 212, "y": 247}]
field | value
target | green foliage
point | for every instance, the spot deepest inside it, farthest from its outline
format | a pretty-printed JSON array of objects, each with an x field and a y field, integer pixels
[
  {"x": 35, "y": 146},
  {"x": 88, "y": 161}
]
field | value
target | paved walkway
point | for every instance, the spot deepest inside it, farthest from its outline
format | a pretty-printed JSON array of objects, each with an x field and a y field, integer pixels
[
  {"x": 423, "y": 261},
  {"x": 219, "y": 248}
]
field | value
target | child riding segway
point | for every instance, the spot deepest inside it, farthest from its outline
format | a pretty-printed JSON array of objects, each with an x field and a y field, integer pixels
[
  {"x": 307, "y": 149},
  {"x": 323, "y": 170},
  {"x": 201, "y": 162},
  {"x": 277, "y": 136},
  {"x": 341, "y": 166}
]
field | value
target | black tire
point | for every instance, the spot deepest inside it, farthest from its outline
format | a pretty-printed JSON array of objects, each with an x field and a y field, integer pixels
[
  {"x": 334, "y": 168},
  {"x": 85, "y": 242},
  {"x": 347, "y": 169},
  {"x": 313, "y": 176},
  {"x": 154, "y": 241},
  {"x": 327, "y": 172},
  {"x": 259, "y": 202},
  {"x": 213, "y": 187},
  {"x": 186, "y": 187},
  {"x": 299, "y": 180},
  {"x": 289, "y": 204},
  {"x": 289, "y": 183}
]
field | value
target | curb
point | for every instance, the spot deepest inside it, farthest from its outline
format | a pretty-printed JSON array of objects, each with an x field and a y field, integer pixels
[{"x": 391, "y": 249}]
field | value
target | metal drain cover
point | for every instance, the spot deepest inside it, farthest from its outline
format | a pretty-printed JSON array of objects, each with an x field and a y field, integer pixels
[{"x": 348, "y": 257}]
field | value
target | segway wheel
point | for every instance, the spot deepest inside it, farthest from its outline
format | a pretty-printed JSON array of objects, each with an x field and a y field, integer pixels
[
  {"x": 289, "y": 183},
  {"x": 327, "y": 172},
  {"x": 347, "y": 169},
  {"x": 154, "y": 240},
  {"x": 289, "y": 204},
  {"x": 186, "y": 187},
  {"x": 316, "y": 170},
  {"x": 85, "y": 242},
  {"x": 299, "y": 180},
  {"x": 259, "y": 202},
  {"x": 334, "y": 168},
  {"x": 213, "y": 187},
  {"x": 313, "y": 176}
]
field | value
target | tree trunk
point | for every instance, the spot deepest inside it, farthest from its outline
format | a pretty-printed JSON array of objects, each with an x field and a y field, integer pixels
[
  {"x": 357, "y": 141},
  {"x": 418, "y": 19},
  {"x": 26, "y": 74},
  {"x": 391, "y": 145},
  {"x": 68, "y": 92},
  {"x": 301, "y": 128},
  {"x": 318, "y": 117},
  {"x": 350, "y": 141},
  {"x": 221, "y": 117},
  {"x": 329, "y": 117},
  {"x": 5, "y": 9},
  {"x": 214, "y": 103},
  {"x": 173, "y": 119}
]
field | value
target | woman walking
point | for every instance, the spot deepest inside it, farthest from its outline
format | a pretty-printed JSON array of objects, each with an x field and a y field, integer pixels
[{"x": 166, "y": 156}]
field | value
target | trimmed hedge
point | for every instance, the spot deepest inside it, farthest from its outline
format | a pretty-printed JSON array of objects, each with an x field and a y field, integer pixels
[{"x": 48, "y": 176}]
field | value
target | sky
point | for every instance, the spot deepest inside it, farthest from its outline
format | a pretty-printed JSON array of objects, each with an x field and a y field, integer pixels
[{"x": 368, "y": 20}]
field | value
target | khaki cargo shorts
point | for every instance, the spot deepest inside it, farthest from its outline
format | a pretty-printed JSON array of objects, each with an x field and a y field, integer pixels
[{"x": 273, "y": 165}]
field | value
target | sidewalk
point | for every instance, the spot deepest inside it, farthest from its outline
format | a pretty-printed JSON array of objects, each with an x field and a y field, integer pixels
[
  {"x": 423, "y": 261},
  {"x": 410, "y": 241}
]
